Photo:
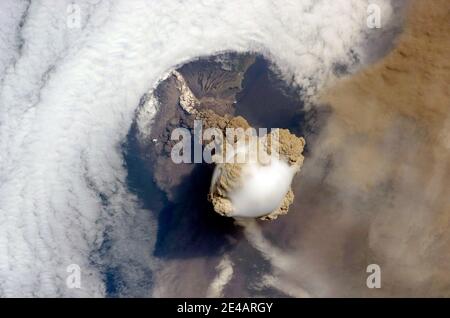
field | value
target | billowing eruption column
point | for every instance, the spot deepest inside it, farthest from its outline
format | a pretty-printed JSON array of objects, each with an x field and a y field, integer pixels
[{"x": 253, "y": 174}]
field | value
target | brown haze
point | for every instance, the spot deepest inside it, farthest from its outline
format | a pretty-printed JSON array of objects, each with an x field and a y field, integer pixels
[{"x": 383, "y": 162}]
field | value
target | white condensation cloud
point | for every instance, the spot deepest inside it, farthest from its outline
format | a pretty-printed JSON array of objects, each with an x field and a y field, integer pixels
[{"x": 67, "y": 100}]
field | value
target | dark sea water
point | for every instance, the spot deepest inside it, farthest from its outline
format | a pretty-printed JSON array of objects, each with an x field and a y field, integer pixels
[{"x": 266, "y": 101}]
